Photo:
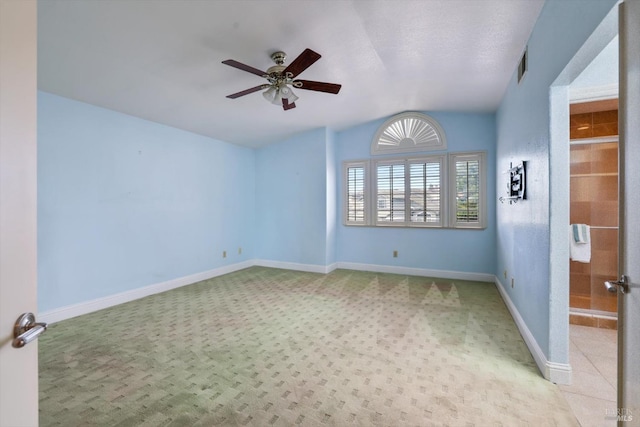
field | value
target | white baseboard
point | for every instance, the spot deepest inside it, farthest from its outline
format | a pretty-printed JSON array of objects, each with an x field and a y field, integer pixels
[
  {"x": 411, "y": 271},
  {"x": 558, "y": 373},
  {"x": 74, "y": 310},
  {"x": 309, "y": 268},
  {"x": 67, "y": 312}
]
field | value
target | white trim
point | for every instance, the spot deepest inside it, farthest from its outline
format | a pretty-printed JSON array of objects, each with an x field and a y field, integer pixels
[
  {"x": 365, "y": 165},
  {"x": 309, "y": 268},
  {"x": 596, "y": 93},
  {"x": 451, "y": 201},
  {"x": 558, "y": 373},
  {"x": 74, "y": 310},
  {"x": 596, "y": 140},
  {"x": 411, "y": 271},
  {"x": 67, "y": 312}
]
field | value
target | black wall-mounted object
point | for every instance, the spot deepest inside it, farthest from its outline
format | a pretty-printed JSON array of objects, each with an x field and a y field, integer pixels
[{"x": 516, "y": 187}]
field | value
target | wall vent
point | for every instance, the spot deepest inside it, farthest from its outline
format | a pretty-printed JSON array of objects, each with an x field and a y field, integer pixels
[{"x": 523, "y": 66}]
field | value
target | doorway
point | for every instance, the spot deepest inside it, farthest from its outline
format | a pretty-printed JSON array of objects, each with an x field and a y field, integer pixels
[
  {"x": 594, "y": 206},
  {"x": 583, "y": 192}
]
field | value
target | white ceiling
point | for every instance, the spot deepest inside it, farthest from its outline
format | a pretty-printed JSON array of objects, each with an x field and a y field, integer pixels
[{"x": 161, "y": 59}]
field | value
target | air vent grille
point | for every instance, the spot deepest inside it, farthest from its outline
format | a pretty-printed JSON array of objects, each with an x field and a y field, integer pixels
[{"x": 523, "y": 66}]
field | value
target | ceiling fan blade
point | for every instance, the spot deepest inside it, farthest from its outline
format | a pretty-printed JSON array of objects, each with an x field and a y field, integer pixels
[
  {"x": 302, "y": 62},
  {"x": 319, "y": 86},
  {"x": 244, "y": 67},
  {"x": 246, "y": 92},
  {"x": 286, "y": 106}
]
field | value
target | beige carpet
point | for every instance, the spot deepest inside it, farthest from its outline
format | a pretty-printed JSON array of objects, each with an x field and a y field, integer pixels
[{"x": 268, "y": 347}]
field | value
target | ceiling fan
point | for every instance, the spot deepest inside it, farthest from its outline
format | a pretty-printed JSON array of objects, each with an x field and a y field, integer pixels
[{"x": 280, "y": 77}]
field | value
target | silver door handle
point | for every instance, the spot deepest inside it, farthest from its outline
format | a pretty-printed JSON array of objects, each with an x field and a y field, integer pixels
[
  {"x": 26, "y": 330},
  {"x": 622, "y": 284}
]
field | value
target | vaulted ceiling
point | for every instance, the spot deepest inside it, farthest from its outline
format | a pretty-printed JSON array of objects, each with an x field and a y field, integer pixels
[{"x": 160, "y": 60}]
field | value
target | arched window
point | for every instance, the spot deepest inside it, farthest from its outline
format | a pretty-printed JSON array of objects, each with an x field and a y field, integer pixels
[
  {"x": 435, "y": 190},
  {"x": 408, "y": 133}
]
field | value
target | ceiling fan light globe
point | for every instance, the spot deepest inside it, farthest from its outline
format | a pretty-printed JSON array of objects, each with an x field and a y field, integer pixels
[
  {"x": 287, "y": 92},
  {"x": 271, "y": 94},
  {"x": 277, "y": 99},
  {"x": 292, "y": 98}
]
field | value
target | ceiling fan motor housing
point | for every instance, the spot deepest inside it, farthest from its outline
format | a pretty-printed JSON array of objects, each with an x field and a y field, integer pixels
[
  {"x": 279, "y": 57},
  {"x": 274, "y": 73}
]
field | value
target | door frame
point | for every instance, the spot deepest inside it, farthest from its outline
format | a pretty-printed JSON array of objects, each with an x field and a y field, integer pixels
[{"x": 559, "y": 191}]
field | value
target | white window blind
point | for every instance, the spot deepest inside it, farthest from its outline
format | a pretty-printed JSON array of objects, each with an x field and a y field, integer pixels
[
  {"x": 425, "y": 179},
  {"x": 468, "y": 187},
  {"x": 408, "y": 132},
  {"x": 356, "y": 198},
  {"x": 409, "y": 192},
  {"x": 390, "y": 191}
]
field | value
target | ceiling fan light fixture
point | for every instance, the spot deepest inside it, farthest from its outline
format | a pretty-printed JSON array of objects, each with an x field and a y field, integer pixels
[{"x": 275, "y": 94}]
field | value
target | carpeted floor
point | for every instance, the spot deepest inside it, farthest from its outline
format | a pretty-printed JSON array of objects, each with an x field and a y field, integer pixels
[{"x": 269, "y": 347}]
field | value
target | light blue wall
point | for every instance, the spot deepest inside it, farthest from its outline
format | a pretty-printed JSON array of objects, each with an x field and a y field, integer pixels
[
  {"x": 291, "y": 200},
  {"x": 125, "y": 203},
  {"x": 470, "y": 251},
  {"x": 523, "y": 126},
  {"x": 602, "y": 71},
  {"x": 332, "y": 205}
]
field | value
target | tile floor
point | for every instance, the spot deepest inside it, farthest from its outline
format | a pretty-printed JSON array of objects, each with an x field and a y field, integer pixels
[{"x": 593, "y": 358}]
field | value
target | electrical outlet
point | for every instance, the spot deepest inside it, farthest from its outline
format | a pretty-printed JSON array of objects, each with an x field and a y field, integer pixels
[
  {"x": 512, "y": 282},
  {"x": 505, "y": 274},
  {"x": 239, "y": 251},
  {"x": 224, "y": 254},
  {"x": 395, "y": 254}
]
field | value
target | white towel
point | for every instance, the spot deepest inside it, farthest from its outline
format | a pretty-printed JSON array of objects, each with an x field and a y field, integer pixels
[
  {"x": 580, "y": 234},
  {"x": 580, "y": 251}
]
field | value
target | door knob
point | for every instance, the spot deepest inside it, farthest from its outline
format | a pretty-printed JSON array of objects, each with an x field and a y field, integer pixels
[
  {"x": 613, "y": 285},
  {"x": 26, "y": 330}
]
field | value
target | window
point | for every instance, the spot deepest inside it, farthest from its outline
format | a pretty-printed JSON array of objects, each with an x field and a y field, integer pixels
[
  {"x": 408, "y": 132},
  {"x": 390, "y": 186},
  {"x": 426, "y": 191},
  {"x": 468, "y": 178},
  {"x": 420, "y": 180},
  {"x": 442, "y": 190},
  {"x": 412, "y": 192},
  {"x": 355, "y": 175}
]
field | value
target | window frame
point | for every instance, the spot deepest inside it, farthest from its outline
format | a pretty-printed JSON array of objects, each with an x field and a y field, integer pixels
[
  {"x": 481, "y": 157},
  {"x": 407, "y": 162},
  {"x": 365, "y": 165},
  {"x": 398, "y": 123},
  {"x": 448, "y": 196}
]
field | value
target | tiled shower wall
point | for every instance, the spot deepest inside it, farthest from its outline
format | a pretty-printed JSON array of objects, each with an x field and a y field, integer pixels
[{"x": 594, "y": 201}]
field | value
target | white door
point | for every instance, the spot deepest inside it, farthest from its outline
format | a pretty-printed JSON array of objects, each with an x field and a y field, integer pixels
[
  {"x": 629, "y": 300},
  {"x": 18, "y": 92}
]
